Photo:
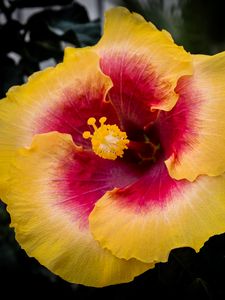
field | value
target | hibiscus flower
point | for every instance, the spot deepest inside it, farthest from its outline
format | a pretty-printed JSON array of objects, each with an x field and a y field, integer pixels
[{"x": 116, "y": 156}]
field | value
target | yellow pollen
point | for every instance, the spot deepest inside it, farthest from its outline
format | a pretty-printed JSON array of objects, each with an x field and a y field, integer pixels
[{"x": 108, "y": 141}]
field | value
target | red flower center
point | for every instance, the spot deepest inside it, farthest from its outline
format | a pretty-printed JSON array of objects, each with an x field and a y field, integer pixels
[{"x": 109, "y": 142}]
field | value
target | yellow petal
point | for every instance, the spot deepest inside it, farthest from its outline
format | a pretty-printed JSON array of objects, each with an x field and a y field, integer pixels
[
  {"x": 149, "y": 218},
  {"x": 60, "y": 99},
  {"x": 50, "y": 222},
  {"x": 200, "y": 148},
  {"x": 137, "y": 56}
]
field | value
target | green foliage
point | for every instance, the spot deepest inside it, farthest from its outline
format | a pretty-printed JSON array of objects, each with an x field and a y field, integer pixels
[
  {"x": 203, "y": 25},
  {"x": 42, "y": 37}
]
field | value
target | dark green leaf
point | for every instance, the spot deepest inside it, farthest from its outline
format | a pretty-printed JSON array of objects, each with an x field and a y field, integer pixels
[
  {"x": 43, "y": 49},
  {"x": 73, "y": 13},
  {"x": 11, "y": 74},
  {"x": 11, "y": 38},
  {"x": 203, "y": 25},
  {"x": 71, "y": 37},
  {"x": 28, "y": 65},
  {"x": 86, "y": 34}
]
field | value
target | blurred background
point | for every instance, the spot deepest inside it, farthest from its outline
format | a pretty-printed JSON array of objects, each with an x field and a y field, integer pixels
[{"x": 33, "y": 34}]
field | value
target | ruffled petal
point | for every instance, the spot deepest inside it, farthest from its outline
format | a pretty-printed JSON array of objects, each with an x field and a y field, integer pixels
[
  {"x": 193, "y": 133},
  {"x": 60, "y": 99},
  {"x": 53, "y": 187},
  {"x": 144, "y": 65},
  {"x": 149, "y": 218}
]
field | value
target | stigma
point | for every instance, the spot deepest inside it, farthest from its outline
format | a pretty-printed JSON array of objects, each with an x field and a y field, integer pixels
[{"x": 108, "y": 141}]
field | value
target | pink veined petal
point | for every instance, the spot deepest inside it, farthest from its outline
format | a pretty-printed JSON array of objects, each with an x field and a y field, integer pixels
[
  {"x": 156, "y": 214},
  {"x": 56, "y": 99},
  {"x": 144, "y": 65},
  {"x": 193, "y": 132},
  {"x": 52, "y": 189}
]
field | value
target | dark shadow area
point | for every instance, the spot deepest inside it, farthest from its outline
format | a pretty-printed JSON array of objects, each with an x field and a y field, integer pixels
[{"x": 41, "y": 35}]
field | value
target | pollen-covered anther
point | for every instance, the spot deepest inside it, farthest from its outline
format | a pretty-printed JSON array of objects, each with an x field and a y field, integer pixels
[{"x": 108, "y": 141}]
